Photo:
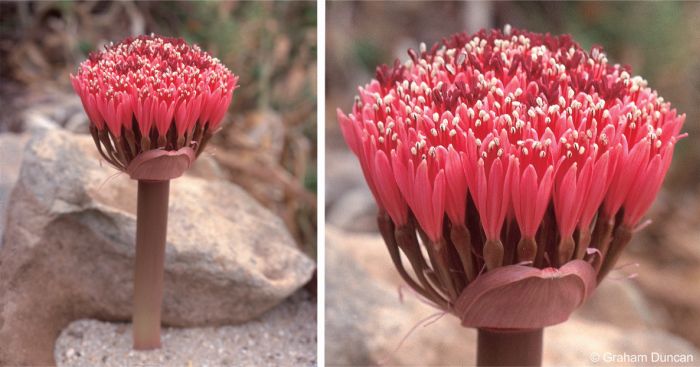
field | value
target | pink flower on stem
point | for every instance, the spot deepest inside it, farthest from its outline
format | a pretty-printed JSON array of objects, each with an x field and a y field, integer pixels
[
  {"x": 152, "y": 92},
  {"x": 153, "y": 103},
  {"x": 478, "y": 136}
]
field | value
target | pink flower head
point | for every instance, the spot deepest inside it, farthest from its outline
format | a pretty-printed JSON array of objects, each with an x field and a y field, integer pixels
[
  {"x": 530, "y": 119},
  {"x": 154, "y": 91}
]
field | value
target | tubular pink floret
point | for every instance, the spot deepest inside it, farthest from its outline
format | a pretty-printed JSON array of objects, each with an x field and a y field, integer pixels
[
  {"x": 487, "y": 167},
  {"x": 388, "y": 190},
  {"x": 158, "y": 82},
  {"x": 530, "y": 195},
  {"x": 642, "y": 195},
  {"x": 455, "y": 203},
  {"x": 516, "y": 122}
]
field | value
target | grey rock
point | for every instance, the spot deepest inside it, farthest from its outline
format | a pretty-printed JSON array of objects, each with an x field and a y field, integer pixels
[
  {"x": 35, "y": 121},
  {"x": 69, "y": 246},
  {"x": 206, "y": 167},
  {"x": 11, "y": 148},
  {"x": 354, "y": 211},
  {"x": 620, "y": 302},
  {"x": 78, "y": 123},
  {"x": 343, "y": 173},
  {"x": 52, "y": 109}
]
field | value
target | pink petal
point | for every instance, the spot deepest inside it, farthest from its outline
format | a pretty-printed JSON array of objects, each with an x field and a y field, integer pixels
[{"x": 387, "y": 189}]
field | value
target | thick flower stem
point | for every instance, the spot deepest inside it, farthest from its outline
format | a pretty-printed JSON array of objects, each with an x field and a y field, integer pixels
[
  {"x": 151, "y": 228},
  {"x": 509, "y": 348}
]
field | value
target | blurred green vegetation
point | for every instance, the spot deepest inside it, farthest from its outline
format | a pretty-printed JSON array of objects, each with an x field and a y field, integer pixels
[{"x": 367, "y": 53}]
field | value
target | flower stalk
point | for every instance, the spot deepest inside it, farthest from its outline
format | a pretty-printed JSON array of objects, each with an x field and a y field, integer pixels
[
  {"x": 151, "y": 229},
  {"x": 509, "y": 348}
]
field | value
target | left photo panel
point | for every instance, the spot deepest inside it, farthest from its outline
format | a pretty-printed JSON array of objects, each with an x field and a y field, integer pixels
[{"x": 158, "y": 183}]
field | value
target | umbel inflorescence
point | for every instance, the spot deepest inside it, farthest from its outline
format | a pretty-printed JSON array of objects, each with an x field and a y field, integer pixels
[
  {"x": 152, "y": 93},
  {"x": 503, "y": 148}
]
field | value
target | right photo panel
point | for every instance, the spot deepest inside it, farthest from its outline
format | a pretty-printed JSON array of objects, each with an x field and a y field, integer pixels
[{"x": 512, "y": 183}]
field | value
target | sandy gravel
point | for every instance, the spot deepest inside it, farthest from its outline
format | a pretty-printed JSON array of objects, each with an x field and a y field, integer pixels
[{"x": 284, "y": 336}]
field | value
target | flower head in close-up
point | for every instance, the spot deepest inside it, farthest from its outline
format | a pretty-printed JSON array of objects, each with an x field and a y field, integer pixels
[
  {"x": 506, "y": 150},
  {"x": 152, "y": 93}
]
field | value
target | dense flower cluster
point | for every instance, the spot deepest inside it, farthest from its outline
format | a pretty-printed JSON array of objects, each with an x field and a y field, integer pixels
[
  {"x": 153, "y": 92},
  {"x": 491, "y": 132}
]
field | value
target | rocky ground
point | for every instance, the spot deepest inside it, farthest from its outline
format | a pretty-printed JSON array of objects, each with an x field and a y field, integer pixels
[{"x": 285, "y": 335}]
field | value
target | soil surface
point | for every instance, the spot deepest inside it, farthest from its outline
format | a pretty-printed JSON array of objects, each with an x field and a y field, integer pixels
[{"x": 286, "y": 335}]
